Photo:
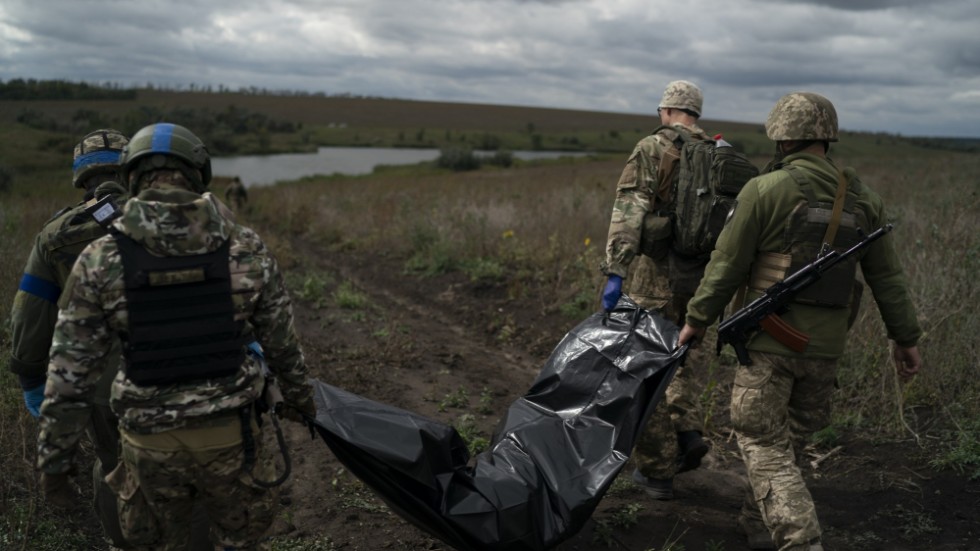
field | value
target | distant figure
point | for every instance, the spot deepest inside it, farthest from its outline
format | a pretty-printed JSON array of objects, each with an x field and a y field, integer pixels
[{"x": 235, "y": 194}]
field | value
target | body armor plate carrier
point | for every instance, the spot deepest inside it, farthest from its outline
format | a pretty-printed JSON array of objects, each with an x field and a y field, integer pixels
[
  {"x": 182, "y": 324},
  {"x": 805, "y": 233}
]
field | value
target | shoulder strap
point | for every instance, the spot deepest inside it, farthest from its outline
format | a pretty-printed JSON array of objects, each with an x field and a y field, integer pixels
[
  {"x": 839, "y": 198},
  {"x": 835, "y": 215},
  {"x": 668, "y": 162}
]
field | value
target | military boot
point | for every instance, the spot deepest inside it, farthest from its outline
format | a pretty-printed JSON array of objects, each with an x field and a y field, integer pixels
[
  {"x": 692, "y": 449},
  {"x": 756, "y": 534},
  {"x": 657, "y": 488}
]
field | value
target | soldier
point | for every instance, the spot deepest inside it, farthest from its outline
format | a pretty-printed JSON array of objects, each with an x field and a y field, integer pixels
[
  {"x": 186, "y": 289},
  {"x": 661, "y": 281},
  {"x": 236, "y": 195},
  {"x": 782, "y": 220},
  {"x": 35, "y": 310}
]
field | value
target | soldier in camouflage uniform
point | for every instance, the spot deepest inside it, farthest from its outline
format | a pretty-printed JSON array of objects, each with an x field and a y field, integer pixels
[
  {"x": 781, "y": 222},
  {"x": 35, "y": 310},
  {"x": 235, "y": 194},
  {"x": 186, "y": 289},
  {"x": 661, "y": 280}
]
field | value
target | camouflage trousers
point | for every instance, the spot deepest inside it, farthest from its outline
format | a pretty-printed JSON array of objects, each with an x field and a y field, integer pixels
[
  {"x": 657, "y": 448},
  {"x": 162, "y": 476},
  {"x": 777, "y": 404}
]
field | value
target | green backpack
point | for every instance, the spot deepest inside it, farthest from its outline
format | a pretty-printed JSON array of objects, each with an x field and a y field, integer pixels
[{"x": 709, "y": 175}]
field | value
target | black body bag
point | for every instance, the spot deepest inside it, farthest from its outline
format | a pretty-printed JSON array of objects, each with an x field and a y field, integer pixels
[{"x": 555, "y": 453}]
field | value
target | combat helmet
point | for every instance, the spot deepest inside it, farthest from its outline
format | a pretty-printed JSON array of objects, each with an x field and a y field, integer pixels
[
  {"x": 681, "y": 94},
  {"x": 166, "y": 145},
  {"x": 802, "y": 116},
  {"x": 98, "y": 152}
]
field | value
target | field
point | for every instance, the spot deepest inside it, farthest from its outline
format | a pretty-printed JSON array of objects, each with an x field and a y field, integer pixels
[{"x": 443, "y": 292}]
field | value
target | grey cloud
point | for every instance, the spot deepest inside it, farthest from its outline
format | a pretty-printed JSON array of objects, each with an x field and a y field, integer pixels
[
  {"x": 880, "y": 66},
  {"x": 858, "y": 5}
]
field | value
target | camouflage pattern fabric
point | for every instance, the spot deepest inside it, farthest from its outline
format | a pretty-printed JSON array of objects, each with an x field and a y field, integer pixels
[
  {"x": 681, "y": 94},
  {"x": 166, "y": 222},
  {"x": 98, "y": 152},
  {"x": 163, "y": 476},
  {"x": 657, "y": 447},
  {"x": 151, "y": 478},
  {"x": 777, "y": 403},
  {"x": 802, "y": 116},
  {"x": 642, "y": 188}
]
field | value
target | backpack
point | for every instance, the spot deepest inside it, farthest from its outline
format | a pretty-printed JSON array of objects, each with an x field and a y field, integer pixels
[{"x": 709, "y": 174}]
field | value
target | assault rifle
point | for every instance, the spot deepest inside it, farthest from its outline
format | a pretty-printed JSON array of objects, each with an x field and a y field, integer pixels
[{"x": 763, "y": 312}]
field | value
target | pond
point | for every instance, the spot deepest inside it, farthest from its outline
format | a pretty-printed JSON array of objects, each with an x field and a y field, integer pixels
[{"x": 257, "y": 170}]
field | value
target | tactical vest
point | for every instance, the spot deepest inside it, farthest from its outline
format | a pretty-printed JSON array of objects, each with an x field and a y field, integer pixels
[
  {"x": 804, "y": 234},
  {"x": 182, "y": 324}
]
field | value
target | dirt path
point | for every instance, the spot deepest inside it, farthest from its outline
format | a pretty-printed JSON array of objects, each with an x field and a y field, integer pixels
[{"x": 445, "y": 347}]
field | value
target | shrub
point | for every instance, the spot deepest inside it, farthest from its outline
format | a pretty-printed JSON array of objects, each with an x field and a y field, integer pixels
[{"x": 457, "y": 159}]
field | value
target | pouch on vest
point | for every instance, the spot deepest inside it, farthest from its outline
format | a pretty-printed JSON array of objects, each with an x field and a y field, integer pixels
[
  {"x": 182, "y": 324},
  {"x": 655, "y": 236}
]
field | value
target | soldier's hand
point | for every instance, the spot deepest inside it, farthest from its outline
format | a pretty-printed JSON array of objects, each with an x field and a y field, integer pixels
[
  {"x": 299, "y": 412},
  {"x": 907, "y": 361},
  {"x": 57, "y": 490},
  {"x": 33, "y": 398},
  {"x": 690, "y": 334},
  {"x": 612, "y": 292}
]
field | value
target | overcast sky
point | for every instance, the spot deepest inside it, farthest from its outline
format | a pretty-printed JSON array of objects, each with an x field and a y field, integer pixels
[{"x": 901, "y": 66}]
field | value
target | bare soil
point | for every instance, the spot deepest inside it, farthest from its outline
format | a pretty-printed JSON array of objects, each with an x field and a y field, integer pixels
[{"x": 424, "y": 339}]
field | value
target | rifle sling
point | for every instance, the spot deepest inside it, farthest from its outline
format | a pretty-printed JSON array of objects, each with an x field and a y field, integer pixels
[{"x": 835, "y": 215}]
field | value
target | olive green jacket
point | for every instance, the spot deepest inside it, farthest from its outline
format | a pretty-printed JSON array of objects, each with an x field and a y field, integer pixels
[{"x": 758, "y": 225}]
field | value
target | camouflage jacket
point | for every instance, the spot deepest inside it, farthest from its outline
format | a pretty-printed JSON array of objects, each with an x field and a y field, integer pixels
[
  {"x": 642, "y": 188},
  {"x": 35, "y": 308},
  {"x": 93, "y": 310},
  {"x": 758, "y": 225}
]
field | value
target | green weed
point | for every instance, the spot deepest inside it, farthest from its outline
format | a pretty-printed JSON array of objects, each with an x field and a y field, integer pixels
[
  {"x": 20, "y": 525},
  {"x": 483, "y": 269},
  {"x": 486, "y": 402},
  {"x": 963, "y": 455},
  {"x": 475, "y": 441},
  {"x": 313, "y": 289},
  {"x": 348, "y": 297},
  {"x": 458, "y": 399},
  {"x": 317, "y": 543},
  {"x": 615, "y": 519}
]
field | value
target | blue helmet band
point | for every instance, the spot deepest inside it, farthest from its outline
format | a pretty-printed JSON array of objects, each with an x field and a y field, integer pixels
[
  {"x": 104, "y": 157},
  {"x": 162, "y": 133}
]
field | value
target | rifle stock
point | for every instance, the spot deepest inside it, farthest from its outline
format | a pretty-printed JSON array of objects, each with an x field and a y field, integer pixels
[{"x": 763, "y": 312}]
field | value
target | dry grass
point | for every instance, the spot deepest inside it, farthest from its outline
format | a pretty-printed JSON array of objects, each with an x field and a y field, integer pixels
[{"x": 546, "y": 225}]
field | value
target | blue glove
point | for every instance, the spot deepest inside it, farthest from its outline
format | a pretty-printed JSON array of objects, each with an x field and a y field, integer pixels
[
  {"x": 33, "y": 398},
  {"x": 256, "y": 350},
  {"x": 612, "y": 292}
]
